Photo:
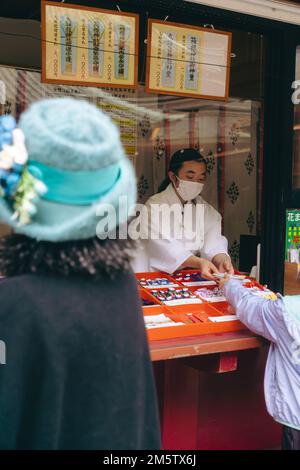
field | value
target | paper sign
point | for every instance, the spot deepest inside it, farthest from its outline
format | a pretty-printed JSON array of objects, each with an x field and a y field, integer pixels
[{"x": 89, "y": 46}]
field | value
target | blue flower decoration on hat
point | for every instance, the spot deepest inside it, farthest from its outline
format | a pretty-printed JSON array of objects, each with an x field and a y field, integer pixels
[
  {"x": 17, "y": 186},
  {"x": 76, "y": 151}
]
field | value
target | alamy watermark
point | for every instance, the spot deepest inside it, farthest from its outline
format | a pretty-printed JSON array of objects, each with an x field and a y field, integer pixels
[
  {"x": 296, "y": 93},
  {"x": 2, "y": 353},
  {"x": 152, "y": 222}
]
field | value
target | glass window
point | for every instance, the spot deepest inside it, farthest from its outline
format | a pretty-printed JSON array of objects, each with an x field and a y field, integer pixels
[
  {"x": 296, "y": 144},
  {"x": 153, "y": 127}
]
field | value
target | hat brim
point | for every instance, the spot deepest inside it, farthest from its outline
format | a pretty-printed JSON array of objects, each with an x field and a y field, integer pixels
[{"x": 57, "y": 222}]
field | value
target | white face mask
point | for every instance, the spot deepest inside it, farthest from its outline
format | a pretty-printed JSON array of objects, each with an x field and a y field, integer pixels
[{"x": 189, "y": 190}]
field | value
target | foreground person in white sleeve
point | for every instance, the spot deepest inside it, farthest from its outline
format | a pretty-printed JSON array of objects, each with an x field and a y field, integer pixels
[{"x": 191, "y": 237}]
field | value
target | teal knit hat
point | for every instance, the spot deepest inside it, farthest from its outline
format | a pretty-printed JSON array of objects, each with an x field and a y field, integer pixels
[{"x": 75, "y": 150}]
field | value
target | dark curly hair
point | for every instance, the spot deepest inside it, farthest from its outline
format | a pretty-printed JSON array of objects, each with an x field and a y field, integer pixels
[{"x": 92, "y": 257}]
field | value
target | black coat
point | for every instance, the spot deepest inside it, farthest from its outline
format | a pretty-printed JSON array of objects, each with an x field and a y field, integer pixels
[{"x": 77, "y": 373}]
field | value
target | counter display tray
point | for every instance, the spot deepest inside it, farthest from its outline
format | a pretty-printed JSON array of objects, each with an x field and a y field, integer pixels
[{"x": 194, "y": 316}]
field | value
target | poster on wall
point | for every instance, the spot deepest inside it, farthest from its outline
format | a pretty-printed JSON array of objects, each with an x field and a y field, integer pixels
[
  {"x": 88, "y": 46},
  {"x": 292, "y": 236},
  {"x": 124, "y": 116},
  {"x": 187, "y": 60},
  {"x": 24, "y": 87}
]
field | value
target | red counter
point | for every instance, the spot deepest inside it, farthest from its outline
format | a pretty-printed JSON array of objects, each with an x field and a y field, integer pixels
[{"x": 210, "y": 392}]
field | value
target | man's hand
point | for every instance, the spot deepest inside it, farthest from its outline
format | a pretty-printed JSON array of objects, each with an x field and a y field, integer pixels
[
  {"x": 223, "y": 263},
  {"x": 207, "y": 269}
]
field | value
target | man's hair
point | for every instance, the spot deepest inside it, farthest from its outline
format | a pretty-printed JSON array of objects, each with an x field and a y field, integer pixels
[{"x": 177, "y": 161}]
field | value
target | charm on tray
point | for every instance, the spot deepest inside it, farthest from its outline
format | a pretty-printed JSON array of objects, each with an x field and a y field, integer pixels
[
  {"x": 174, "y": 296},
  {"x": 193, "y": 279},
  {"x": 147, "y": 302},
  {"x": 156, "y": 282},
  {"x": 211, "y": 295}
]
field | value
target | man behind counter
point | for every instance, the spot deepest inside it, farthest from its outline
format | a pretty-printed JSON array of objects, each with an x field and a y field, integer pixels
[{"x": 182, "y": 188}]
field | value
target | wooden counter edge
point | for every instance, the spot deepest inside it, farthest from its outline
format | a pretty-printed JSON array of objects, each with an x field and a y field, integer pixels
[{"x": 205, "y": 344}]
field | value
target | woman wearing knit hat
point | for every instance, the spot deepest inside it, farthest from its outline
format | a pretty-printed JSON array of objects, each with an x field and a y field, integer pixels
[{"x": 77, "y": 373}]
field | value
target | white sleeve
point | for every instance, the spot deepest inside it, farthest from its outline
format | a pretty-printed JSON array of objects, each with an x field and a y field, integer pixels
[
  {"x": 262, "y": 316},
  {"x": 214, "y": 241},
  {"x": 165, "y": 254}
]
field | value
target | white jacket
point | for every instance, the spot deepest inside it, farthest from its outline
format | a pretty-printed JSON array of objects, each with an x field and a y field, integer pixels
[
  {"x": 279, "y": 322},
  {"x": 166, "y": 252}
]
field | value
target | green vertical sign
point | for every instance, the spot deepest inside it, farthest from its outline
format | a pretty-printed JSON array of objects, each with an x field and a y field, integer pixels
[{"x": 292, "y": 237}]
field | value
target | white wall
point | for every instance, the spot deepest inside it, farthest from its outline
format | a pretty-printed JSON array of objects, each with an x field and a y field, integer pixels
[{"x": 273, "y": 9}]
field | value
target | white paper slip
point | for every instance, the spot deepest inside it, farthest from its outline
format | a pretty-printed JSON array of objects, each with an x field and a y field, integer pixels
[
  {"x": 163, "y": 325},
  {"x": 217, "y": 298},
  {"x": 161, "y": 318},
  {"x": 182, "y": 301},
  {"x": 162, "y": 286},
  {"x": 200, "y": 283},
  {"x": 223, "y": 318},
  {"x": 231, "y": 276}
]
